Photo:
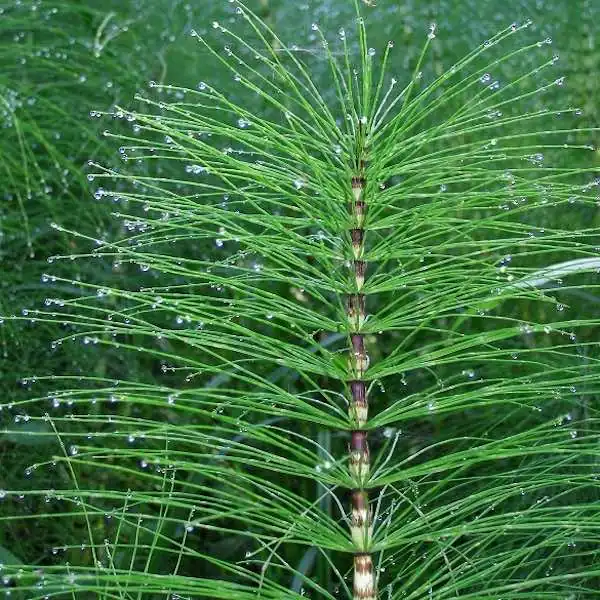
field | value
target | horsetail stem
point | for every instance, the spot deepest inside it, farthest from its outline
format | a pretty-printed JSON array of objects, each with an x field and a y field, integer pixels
[{"x": 361, "y": 522}]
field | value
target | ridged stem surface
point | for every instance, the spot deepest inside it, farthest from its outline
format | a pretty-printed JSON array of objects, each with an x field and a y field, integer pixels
[{"x": 364, "y": 586}]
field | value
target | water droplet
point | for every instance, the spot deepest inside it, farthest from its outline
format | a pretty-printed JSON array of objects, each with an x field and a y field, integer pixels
[{"x": 195, "y": 169}]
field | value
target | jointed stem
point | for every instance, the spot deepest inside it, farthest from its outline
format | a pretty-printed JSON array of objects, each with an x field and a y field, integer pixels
[{"x": 359, "y": 463}]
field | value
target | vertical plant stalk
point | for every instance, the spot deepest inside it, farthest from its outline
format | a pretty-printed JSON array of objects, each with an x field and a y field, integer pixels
[{"x": 361, "y": 522}]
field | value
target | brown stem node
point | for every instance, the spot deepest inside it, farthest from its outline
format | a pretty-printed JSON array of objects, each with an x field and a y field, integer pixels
[
  {"x": 359, "y": 360},
  {"x": 360, "y": 462},
  {"x": 364, "y": 577},
  {"x": 357, "y": 235},
  {"x": 360, "y": 268},
  {"x": 356, "y": 310}
]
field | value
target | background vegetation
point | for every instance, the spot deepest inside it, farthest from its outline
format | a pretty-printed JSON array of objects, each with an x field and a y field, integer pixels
[{"x": 64, "y": 68}]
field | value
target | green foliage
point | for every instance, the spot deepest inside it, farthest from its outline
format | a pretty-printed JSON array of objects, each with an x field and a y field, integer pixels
[
  {"x": 59, "y": 64},
  {"x": 233, "y": 279}
]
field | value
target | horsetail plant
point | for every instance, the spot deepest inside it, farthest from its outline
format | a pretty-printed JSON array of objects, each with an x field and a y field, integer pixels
[{"x": 323, "y": 264}]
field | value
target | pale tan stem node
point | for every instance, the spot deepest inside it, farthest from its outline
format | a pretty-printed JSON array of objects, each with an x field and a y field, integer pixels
[{"x": 364, "y": 578}]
